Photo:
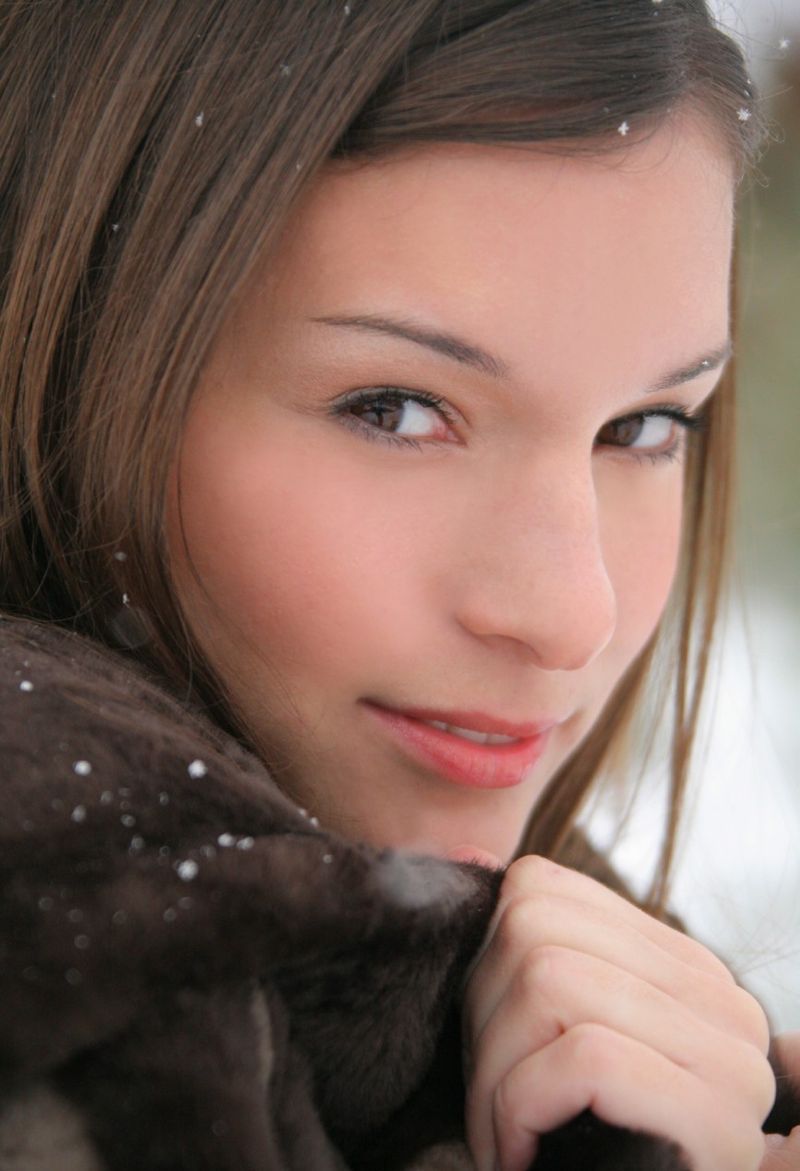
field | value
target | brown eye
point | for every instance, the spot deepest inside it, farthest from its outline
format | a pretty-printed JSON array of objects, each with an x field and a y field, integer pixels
[
  {"x": 380, "y": 413},
  {"x": 647, "y": 433},
  {"x": 622, "y": 432},
  {"x": 396, "y": 415}
]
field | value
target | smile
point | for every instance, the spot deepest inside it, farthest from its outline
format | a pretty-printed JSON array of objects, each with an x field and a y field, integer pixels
[
  {"x": 468, "y": 756},
  {"x": 469, "y": 734}
]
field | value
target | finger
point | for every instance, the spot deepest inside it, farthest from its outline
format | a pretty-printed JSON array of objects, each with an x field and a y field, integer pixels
[
  {"x": 559, "y": 989},
  {"x": 568, "y": 990},
  {"x": 533, "y": 877},
  {"x": 531, "y": 925},
  {"x": 624, "y": 1083}
]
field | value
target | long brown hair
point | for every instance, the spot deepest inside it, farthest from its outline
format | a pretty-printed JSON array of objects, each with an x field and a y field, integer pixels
[{"x": 150, "y": 154}]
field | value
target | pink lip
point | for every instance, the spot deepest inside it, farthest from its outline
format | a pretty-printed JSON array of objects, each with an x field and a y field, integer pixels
[{"x": 482, "y": 766}]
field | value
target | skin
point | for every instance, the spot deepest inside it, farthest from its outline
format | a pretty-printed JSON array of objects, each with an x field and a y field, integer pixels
[{"x": 515, "y": 561}]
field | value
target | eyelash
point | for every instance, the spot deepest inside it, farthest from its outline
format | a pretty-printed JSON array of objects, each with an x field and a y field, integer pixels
[
  {"x": 391, "y": 396},
  {"x": 396, "y": 396},
  {"x": 689, "y": 424}
]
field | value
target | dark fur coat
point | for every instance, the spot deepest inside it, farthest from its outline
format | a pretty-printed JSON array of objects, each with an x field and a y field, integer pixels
[{"x": 194, "y": 974}]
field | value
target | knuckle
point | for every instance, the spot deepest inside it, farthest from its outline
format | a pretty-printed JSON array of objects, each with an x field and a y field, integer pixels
[
  {"x": 591, "y": 1046},
  {"x": 546, "y": 969},
  {"x": 530, "y": 873},
  {"x": 720, "y": 969},
  {"x": 711, "y": 963},
  {"x": 765, "y": 1089},
  {"x": 752, "y": 1079},
  {"x": 519, "y": 924},
  {"x": 752, "y": 1019}
]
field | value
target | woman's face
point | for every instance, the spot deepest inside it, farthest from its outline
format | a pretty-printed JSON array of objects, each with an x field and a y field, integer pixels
[{"x": 433, "y": 470}]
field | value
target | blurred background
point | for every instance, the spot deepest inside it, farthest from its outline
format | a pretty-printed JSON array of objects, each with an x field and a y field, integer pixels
[{"x": 738, "y": 873}]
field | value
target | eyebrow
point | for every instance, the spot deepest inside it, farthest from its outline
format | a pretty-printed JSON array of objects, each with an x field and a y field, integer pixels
[{"x": 468, "y": 354}]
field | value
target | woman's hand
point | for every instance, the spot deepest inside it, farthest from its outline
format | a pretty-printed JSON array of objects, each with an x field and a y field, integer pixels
[{"x": 580, "y": 1000}]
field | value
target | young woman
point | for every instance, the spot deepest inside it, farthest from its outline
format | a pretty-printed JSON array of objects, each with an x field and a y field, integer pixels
[{"x": 367, "y": 386}]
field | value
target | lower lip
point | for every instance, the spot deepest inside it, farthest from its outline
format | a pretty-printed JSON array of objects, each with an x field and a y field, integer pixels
[{"x": 476, "y": 766}]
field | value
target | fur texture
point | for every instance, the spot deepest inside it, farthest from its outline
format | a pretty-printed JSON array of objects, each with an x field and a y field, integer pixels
[{"x": 195, "y": 974}]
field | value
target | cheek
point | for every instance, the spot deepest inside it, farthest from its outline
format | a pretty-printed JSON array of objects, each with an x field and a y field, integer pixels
[
  {"x": 294, "y": 567},
  {"x": 266, "y": 577}
]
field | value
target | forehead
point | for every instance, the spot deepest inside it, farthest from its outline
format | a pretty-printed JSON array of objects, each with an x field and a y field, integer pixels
[{"x": 528, "y": 246}]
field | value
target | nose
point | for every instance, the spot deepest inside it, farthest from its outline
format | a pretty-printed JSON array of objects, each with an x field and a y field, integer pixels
[{"x": 533, "y": 571}]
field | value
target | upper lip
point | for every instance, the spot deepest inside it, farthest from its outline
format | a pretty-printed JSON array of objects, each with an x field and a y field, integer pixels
[{"x": 480, "y": 722}]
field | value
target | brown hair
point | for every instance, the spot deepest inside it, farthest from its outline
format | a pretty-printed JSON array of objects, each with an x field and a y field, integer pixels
[{"x": 150, "y": 154}]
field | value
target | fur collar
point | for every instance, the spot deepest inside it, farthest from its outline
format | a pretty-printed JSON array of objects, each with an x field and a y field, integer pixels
[
  {"x": 194, "y": 974},
  {"x": 162, "y": 900}
]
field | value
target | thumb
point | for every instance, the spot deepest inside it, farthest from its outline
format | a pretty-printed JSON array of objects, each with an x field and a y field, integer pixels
[{"x": 481, "y": 857}]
